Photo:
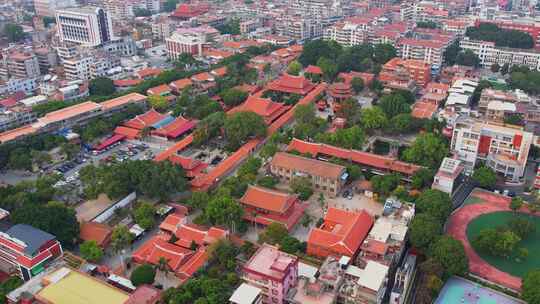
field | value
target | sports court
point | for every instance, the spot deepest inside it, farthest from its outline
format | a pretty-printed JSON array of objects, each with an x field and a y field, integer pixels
[
  {"x": 461, "y": 291},
  {"x": 481, "y": 202}
]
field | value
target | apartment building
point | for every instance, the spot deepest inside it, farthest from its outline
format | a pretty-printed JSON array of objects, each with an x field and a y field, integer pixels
[
  {"x": 88, "y": 26},
  {"x": 47, "y": 8},
  {"x": 449, "y": 176},
  {"x": 190, "y": 40},
  {"x": 299, "y": 28},
  {"x": 503, "y": 148},
  {"x": 405, "y": 74},
  {"x": 26, "y": 251},
  {"x": 126, "y": 9},
  {"x": 19, "y": 64},
  {"x": 349, "y": 32},
  {"x": 272, "y": 271},
  {"x": 325, "y": 176},
  {"x": 14, "y": 117},
  {"x": 490, "y": 54},
  {"x": 423, "y": 11},
  {"x": 425, "y": 45}
]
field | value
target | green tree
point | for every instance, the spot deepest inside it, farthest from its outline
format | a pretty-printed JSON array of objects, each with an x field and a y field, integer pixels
[
  {"x": 505, "y": 68},
  {"x": 302, "y": 186},
  {"x": 144, "y": 215},
  {"x": 485, "y": 177},
  {"x": 158, "y": 102},
  {"x": 242, "y": 126},
  {"x": 385, "y": 184},
  {"x": 198, "y": 200},
  {"x": 13, "y": 32},
  {"x": 121, "y": 238},
  {"x": 514, "y": 119},
  {"x": 422, "y": 178},
  {"x": 223, "y": 210},
  {"x": 8, "y": 286},
  {"x": 427, "y": 150},
  {"x": 424, "y": 231},
  {"x": 468, "y": 58},
  {"x": 70, "y": 150},
  {"x": 383, "y": 52},
  {"x": 495, "y": 242},
  {"x": 350, "y": 138},
  {"x": 495, "y": 68},
  {"x": 315, "y": 49},
  {"x": 273, "y": 234},
  {"x": 268, "y": 182},
  {"x": 170, "y": 5},
  {"x": 101, "y": 86},
  {"x": 394, "y": 104},
  {"x": 529, "y": 289},
  {"x": 304, "y": 113},
  {"x": 91, "y": 251},
  {"x": 501, "y": 37},
  {"x": 210, "y": 127},
  {"x": 328, "y": 67},
  {"x": 451, "y": 254},
  {"x": 373, "y": 118},
  {"x": 451, "y": 53},
  {"x": 144, "y": 274},
  {"x": 516, "y": 203},
  {"x": 142, "y": 12},
  {"x": 427, "y": 24},
  {"x": 53, "y": 217},
  {"x": 233, "y": 97},
  {"x": 294, "y": 68},
  {"x": 357, "y": 84},
  {"x": 435, "y": 203}
]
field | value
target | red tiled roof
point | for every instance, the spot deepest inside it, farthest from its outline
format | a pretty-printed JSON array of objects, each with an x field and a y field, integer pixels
[
  {"x": 145, "y": 120},
  {"x": 313, "y": 69},
  {"x": 424, "y": 109},
  {"x": 171, "y": 222},
  {"x": 218, "y": 54},
  {"x": 292, "y": 84},
  {"x": 159, "y": 90},
  {"x": 8, "y": 102},
  {"x": 219, "y": 72},
  {"x": 127, "y": 132},
  {"x": 264, "y": 107},
  {"x": 342, "y": 232},
  {"x": 144, "y": 294},
  {"x": 188, "y": 233},
  {"x": 157, "y": 247},
  {"x": 308, "y": 165},
  {"x": 268, "y": 199},
  {"x": 205, "y": 76},
  {"x": 175, "y": 148},
  {"x": 109, "y": 141},
  {"x": 181, "y": 84},
  {"x": 360, "y": 157},
  {"x": 100, "y": 233},
  {"x": 176, "y": 128},
  {"x": 148, "y": 72},
  {"x": 197, "y": 261},
  {"x": 126, "y": 82},
  {"x": 375, "y": 246},
  {"x": 193, "y": 167}
]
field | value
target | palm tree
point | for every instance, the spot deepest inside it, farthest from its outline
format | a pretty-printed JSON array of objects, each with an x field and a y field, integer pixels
[{"x": 163, "y": 265}]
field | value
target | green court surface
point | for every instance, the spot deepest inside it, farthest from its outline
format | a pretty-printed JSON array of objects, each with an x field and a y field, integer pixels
[{"x": 509, "y": 265}]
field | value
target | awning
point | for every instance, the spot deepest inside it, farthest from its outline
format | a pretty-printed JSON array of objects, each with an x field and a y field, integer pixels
[{"x": 109, "y": 141}]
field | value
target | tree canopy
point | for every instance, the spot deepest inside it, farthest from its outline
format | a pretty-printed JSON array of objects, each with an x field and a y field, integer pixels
[
  {"x": 144, "y": 274},
  {"x": 451, "y": 254},
  {"x": 101, "y": 86},
  {"x": 294, "y": 68},
  {"x": 53, "y": 217},
  {"x": 468, "y": 58},
  {"x": 233, "y": 97},
  {"x": 424, "y": 230},
  {"x": 427, "y": 150},
  {"x": 485, "y": 177},
  {"x": 144, "y": 215},
  {"x": 242, "y": 126},
  {"x": 530, "y": 290},
  {"x": 13, "y": 32},
  {"x": 501, "y": 37},
  {"x": 154, "y": 179},
  {"x": 91, "y": 251},
  {"x": 435, "y": 203}
]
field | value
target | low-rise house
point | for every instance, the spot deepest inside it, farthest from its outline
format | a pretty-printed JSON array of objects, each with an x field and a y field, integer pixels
[
  {"x": 26, "y": 251},
  {"x": 272, "y": 271},
  {"x": 265, "y": 206},
  {"x": 341, "y": 234},
  {"x": 326, "y": 177},
  {"x": 449, "y": 176}
]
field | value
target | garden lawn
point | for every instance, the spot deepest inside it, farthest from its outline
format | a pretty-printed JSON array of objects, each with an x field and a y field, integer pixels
[{"x": 532, "y": 242}]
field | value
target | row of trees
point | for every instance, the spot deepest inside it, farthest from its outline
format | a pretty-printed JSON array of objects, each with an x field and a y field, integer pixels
[
  {"x": 32, "y": 203},
  {"x": 445, "y": 255},
  {"x": 501, "y": 37},
  {"x": 333, "y": 58},
  {"x": 153, "y": 179},
  {"x": 521, "y": 77},
  {"x": 21, "y": 155}
]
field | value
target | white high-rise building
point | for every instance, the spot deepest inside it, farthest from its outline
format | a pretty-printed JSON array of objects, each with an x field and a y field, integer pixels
[
  {"x": 47, "y": 8},
  {"x": 88, "y": 26}
]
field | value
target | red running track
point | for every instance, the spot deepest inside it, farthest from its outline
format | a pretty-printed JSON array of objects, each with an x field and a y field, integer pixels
[{"x": 457, "y": 228}]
